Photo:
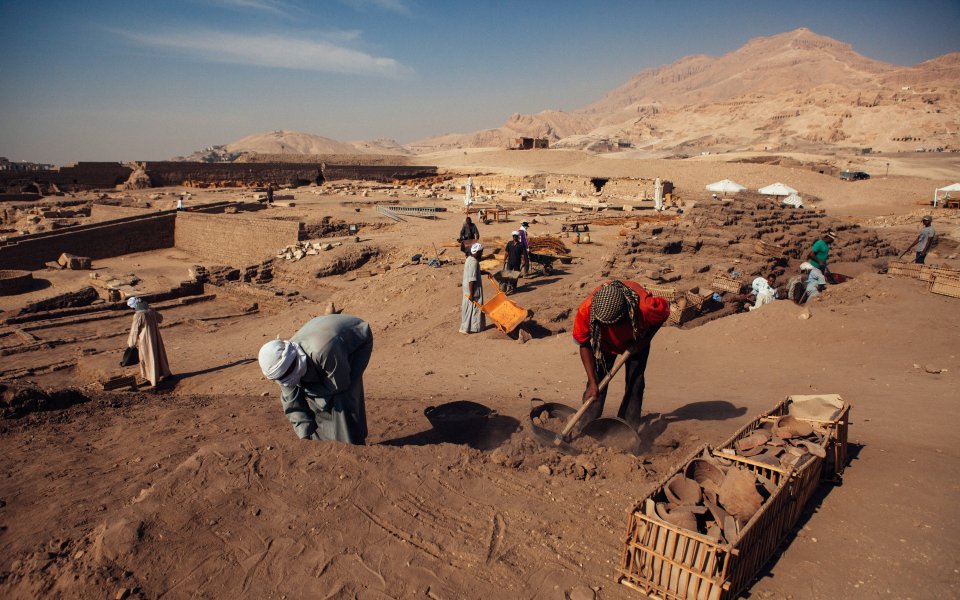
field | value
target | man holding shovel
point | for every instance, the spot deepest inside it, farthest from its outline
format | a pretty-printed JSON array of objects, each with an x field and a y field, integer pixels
[{"x": 618, "y": 316}]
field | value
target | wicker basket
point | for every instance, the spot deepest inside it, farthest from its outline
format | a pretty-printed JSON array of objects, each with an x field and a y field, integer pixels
[
  {"x": 927, "y": 273},
  {"x": 680, "y": 315},
  {"x": 665, "y": 561},
  {"x": 670, "y": 293},
  {"x": 800, "y": 482},
  {"x": 767, "y": 249},
  {"x": 727, "y": 284},
  {"x": 904, "y": 269},
  {"x": 837, "y": 431},
  {"x": 946, "y": 286},
  {"x": 698, "y": 298}
]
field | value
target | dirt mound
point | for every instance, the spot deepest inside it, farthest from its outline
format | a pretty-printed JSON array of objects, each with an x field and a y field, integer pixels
[{"x": 17, "y": 400}]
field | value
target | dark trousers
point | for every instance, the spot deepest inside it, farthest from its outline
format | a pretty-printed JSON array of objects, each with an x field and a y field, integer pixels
[
  {"x": 633, "y": 388},
  {"x": 920, "y": 258}
]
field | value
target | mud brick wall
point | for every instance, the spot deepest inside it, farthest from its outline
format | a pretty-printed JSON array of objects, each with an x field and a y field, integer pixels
[
  {"x": 99, "y": 240},
  {"x": 232, "y": 240},
  {"x": 166, "y": 173},
  {"x": 107, "y": 212},
  {"x": 81, "y": 176},
  {"x": 381, "y": 173}
]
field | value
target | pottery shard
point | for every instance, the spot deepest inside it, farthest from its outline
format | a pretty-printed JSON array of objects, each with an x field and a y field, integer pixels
[
  {"x": 681, "y": 518},
  {"x": 706, "y": 473},
  {"x": 789, "y": 426},
  {"x": 681, "y": 490},
  {"x": 814, "y": 449},
  {"x": 757, "y": 438},
  {"x": 739, "y": 495}
]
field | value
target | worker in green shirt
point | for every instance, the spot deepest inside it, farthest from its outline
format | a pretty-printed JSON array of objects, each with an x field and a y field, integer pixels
[{"x": 820, "y": 250}]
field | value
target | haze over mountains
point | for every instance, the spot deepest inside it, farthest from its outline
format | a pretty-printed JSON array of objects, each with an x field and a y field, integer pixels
[{"x": 791, "y": 91}]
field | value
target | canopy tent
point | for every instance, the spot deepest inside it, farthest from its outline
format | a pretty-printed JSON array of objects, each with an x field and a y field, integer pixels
[
  {"x": 953, "y": 187},
  {"x": 725, "y": 186},
  {"x": 793, "y": 200},
  {"x": 777, "y": 189}
]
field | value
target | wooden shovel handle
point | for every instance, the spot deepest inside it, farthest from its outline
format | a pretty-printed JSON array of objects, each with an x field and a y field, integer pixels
[{"x": 564, "y": 435}]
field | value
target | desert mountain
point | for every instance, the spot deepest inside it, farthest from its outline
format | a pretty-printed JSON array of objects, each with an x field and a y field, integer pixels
[{"x": 792, "y": 90}]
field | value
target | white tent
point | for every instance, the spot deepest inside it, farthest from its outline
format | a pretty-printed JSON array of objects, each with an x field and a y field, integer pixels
[
  {"x": 726, "y": 186},
  {"x": 777, "y": 189},
  {"x": 953, "y": 187},
  {"x": 793, "y": 200}
]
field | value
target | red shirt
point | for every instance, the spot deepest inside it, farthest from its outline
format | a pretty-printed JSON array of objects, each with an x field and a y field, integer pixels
[{"x": 616, "y": 338}]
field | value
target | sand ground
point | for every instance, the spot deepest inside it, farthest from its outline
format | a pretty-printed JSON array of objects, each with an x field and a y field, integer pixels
[{"x": 202, "y": 490}]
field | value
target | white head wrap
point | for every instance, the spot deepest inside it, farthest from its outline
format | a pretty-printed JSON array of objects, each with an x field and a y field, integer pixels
[
  {"x": 276, "y": 358},
  {"x": 806, "y": 266},
  {"x": 136, "y": 303},
  {"x": 514, "y": 233},
  {"x": 476, "y": 247}
]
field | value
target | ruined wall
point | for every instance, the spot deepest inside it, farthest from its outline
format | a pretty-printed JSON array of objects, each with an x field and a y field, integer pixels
[
  {"x": 381, "y": 173},
  {"x": 198, "y": 174},
  {"x": 98, "y": 240},
  {"x": 623, "y": 187},
  {"x": 81, "y": 176},
  {"x": 107, "y": 212},
  {"x": 89, "y": 175},
  {"x": 232, "y": 240}
]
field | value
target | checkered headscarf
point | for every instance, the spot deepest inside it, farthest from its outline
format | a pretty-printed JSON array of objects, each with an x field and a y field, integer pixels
[{"x": 610, "y": 304}]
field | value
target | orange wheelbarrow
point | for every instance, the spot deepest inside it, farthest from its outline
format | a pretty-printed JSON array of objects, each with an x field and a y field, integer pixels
[{"x": 506, "y": 315}]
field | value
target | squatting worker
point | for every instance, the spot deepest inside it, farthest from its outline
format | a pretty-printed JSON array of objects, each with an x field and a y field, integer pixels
[
  {"x": 617, "y": 316},
  {"x": 320, "y": 373},
  {"x": 923, "y": 242},
  {"x": 820, "y": 251},
  {"x": 145, "y": 336}
]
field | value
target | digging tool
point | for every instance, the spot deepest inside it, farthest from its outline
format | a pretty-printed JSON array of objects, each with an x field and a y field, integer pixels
[{"x": 608, "y": 429}]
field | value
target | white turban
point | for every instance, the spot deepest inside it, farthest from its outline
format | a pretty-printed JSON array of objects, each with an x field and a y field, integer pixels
[
  {"x": 136, "y": 303},
  {"x": 476, "y": 247},
  {"x": 276, "y": 358},
  {"x": 806, "y": 266},
  {"x": 514, "y": 233}
]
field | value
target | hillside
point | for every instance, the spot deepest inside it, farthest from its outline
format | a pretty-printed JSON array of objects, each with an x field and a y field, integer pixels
[{"x": 792, "y": 91}]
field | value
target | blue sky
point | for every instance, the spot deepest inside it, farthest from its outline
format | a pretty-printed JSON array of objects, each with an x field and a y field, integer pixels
[{"x": 139, "y": 80}]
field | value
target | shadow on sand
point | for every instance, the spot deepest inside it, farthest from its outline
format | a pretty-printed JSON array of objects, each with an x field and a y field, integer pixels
[
  {"x": 498, "y": 429},
  {"x": 654, "y": 424}
]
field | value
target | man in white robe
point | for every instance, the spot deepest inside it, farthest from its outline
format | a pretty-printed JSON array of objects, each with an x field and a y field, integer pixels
[
  {"x": 145, "y": 336},
  {"x": 471, "y": 317}
]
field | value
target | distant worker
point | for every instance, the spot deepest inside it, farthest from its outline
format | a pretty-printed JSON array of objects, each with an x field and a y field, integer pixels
[
  {"x": 472, "y": 319},
  {"x": 617, "y": 316},
  {"x": 468, "y": 197},
  {"x": 526, "y": 246},
  {"x": 512, "y": 263},
  {"x": 145, "y": 337},
  {"x": 469, "y": 234},
  {"x": 320, "y": 373},
  {"x": 924, "y": 241},
  {"x": 269, "y": 194},
  {"x": 820, "y": 250},
  {"x": 816, "y": 282},
  {"x": 180, "y": 202}
]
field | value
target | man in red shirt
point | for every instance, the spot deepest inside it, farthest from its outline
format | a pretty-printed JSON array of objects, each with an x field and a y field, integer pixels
[{"x": 617, "y": 316}]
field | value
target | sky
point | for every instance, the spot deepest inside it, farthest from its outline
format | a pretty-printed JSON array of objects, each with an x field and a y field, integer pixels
[{"x": 119, "y": 80}]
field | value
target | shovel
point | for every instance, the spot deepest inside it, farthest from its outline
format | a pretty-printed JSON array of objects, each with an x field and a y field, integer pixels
[{"x": 609, "y": 430}]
